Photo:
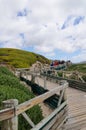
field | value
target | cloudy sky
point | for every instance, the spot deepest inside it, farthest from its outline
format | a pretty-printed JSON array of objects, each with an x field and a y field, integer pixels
[{"x": 53, "y": 28}]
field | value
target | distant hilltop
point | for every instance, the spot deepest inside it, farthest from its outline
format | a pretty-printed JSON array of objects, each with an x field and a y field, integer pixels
[
  {"x": 20, "y": 58},
  {"x": 83, "y": 62}
]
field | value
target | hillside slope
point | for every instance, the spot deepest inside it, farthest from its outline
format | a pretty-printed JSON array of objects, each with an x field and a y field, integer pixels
[
  {"x": 20, "y": 58},
  {"x": 11, "y": 88},
  {"x": 78, "y": 67}
]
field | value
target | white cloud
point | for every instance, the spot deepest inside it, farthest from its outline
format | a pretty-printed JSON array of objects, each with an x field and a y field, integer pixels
[
  {"x": 42, "y": 25},
  {"x": 77, "y": 58}
]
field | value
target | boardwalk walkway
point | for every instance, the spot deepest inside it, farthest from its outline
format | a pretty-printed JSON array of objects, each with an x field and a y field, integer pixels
[
  {"x": 76, "y": 106},
  {"x": 76, "y": 109}
]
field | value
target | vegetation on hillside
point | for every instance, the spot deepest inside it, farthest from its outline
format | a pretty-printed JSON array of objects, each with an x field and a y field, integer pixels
[
  {"x": 78, "y": 67},
  {"x": 10, "y": 88},
  {"x": 20, "y": 58}
]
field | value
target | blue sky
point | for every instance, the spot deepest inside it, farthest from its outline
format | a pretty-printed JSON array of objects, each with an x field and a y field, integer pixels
[{"x": 54, "y": 28}]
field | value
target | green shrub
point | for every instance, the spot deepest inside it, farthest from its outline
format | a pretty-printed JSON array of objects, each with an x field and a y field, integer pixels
[
  {"x": 60, "y": 74},
  {"x": 4, "y": 70},
  {"x": 78, "y": 67},
  {"x": 10, "y": 88}
]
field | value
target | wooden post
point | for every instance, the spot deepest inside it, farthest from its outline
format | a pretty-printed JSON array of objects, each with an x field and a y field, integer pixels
[
  {"x": 28, "y": 119},
  {"x": 79, "y": 77},
  {"x": 20, "y": 74},
  {"x": 63, "y": 75},
  {"x": 61, "y": 97},
  {"x": 10, "y": 124},
  {"x": 45, "y": 87},
  {"x": 33, "y": 78},
  {"x": 65, "y": 92},
  {"x": 26, "y": 75}
]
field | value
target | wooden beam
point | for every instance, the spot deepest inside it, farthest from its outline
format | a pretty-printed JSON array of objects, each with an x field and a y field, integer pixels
[
  {"x": 45, "y": 87},
  {"x": 10, "y": 112},
  {"x": 6, "y": 113},
  {"x": 28, "y": 119},
  {"x": 47, "y": 119},
  {"x": 61, "y": 97},
  {"x": 81, "y": 78},
  {"x": 61, "y": 125},
  {"x": 56, "y": 120},
  {"x": 12, "y": 123},
  {"x": 28, "y": 104}
]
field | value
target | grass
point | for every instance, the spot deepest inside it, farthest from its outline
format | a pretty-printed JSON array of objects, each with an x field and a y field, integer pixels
[
  {"x": 78, "y": 67},
  {"x": 20, "y": 58},
  {"x": 11, "y": 88}
]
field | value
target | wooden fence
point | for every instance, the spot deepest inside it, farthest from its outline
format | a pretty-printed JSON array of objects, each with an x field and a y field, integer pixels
[
  {"x": 72, "y": 83},
  {"x": 9, "y": 115}
]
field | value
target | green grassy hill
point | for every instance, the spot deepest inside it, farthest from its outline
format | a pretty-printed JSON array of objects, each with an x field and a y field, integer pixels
[
  {"x": 78, "y": 67},
  {"x": 20, "y": 58}
]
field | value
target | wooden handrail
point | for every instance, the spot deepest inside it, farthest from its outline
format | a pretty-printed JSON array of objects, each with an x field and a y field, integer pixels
[
  {"x": 45, "y": 120},
  {"x": 11, "y": 112},
  {"x": 28, "y": 104},
  {"x": 6, "y": 114}
]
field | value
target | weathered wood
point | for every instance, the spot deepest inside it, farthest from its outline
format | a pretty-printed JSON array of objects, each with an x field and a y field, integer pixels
[
  {"x": 28, "y": 119},
  {"x": 12, "y": 123},
  {"x": 62, "y": 117},
  {"x": 65, "y": 93},
  {"x": 33, "y": 78},
  {"x": 47, "y": 119},
  {"x": 81, "y": 78},
  {"x": 6, "y": 113},
  {"x": 26, "y": 73},
  {"x": 60, "y": 123},
  {"x": 10, "y": 112},
  {"x": 72, "y": 83},
  {"x": 61, "y": 97},
  {"x": 37, "y": 81},
  {"x": 76, "y": 109},
  {"x": 63, "y": 75},
  {"x": 45, "y": 83},
  {"x": 28, "y": 104},
  {"x": 55, "y": 121},
  {"x": 20, "y": 109}
]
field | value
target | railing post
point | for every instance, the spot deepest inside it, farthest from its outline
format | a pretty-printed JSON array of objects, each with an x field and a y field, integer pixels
[
  {"x": 20, "y": 74},
  {"x": 65, "y": 92},
  {"x": 10, "y": 124},
  {"x": 63, "y": 95},
  {"x": 33, "y": 78},
  {"x": 63, "y": 75},
  {"x": 26, "y": 75},
  {"x": 45, "y": 87}
]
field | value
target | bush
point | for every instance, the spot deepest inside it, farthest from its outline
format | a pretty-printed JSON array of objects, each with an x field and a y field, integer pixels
[
  {"x": 60, "y": 74},
  {"x": 10, "y": 88},
  {"x": 4, "y": 70}
]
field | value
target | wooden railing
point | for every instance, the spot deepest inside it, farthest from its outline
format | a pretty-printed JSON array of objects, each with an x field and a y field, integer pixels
[
  {"x": 72, "y": 83},
  {"x": 9, "y": 115}
]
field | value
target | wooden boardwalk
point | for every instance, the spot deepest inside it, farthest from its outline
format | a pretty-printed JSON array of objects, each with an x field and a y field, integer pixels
[
  {"x": 76, "y": 109},
  {"x": 76, "y": 101}
]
